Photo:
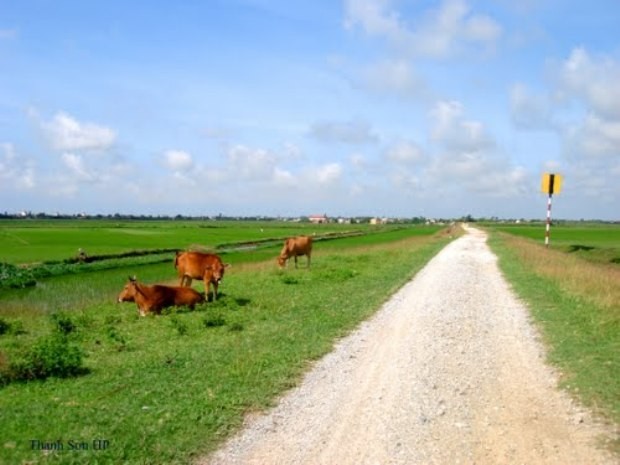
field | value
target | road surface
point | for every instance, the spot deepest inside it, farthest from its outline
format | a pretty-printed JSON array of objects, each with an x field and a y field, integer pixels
[{"x": 448, "y": 371}]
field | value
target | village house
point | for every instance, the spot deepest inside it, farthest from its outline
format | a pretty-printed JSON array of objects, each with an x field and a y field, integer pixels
[{"x": 318, "y": 219}]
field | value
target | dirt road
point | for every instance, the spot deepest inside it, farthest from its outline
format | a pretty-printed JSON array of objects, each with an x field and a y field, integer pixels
[{"x": 448, "y": 371}]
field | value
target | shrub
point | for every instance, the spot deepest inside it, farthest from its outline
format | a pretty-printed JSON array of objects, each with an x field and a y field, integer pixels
[
  {"x": 213, "y": 321},
  {"x": 12, "y": 276},
  {"x": 50, "y": 356},
  {"x": 64, "y": 324},
  {"x": 117, "y": 337},
  {"x": 179, "y": 325},
  {"x": 11, "y": 327},
  {"x": 5, "y": 326}
]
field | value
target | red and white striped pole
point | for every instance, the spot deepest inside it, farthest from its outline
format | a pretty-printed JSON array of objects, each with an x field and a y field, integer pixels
[{"x": 548, "y": 228}]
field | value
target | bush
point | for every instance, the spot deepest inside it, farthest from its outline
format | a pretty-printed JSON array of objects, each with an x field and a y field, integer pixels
[
  {"x": 5, "y": 326},
  {"x": 12, "y": 276},
  {"x": 179, "y": 325},
  {"x": 213, "y": 321},
  {"x": 64, "y": 324},
  {"x": 50, "y": 356},
  {"x": 11, "y": 327}
]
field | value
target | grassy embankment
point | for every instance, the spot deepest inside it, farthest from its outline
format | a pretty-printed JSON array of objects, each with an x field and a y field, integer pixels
[
  {"x": 166, "y": 389},
  {"x": 573, "y": 291}
]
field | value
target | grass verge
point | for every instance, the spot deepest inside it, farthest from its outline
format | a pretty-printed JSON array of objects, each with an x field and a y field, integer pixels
[
  {"x": 168, "y": 389},
  {"x": 577, "y": 305}
]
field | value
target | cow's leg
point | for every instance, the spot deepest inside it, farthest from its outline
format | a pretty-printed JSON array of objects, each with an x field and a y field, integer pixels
[
  {"x": 295, "y": 261},
  {"x": 308, "y": 260},
  {"x": 215, "y": 286},
  {"x": 207, "y": 281}
]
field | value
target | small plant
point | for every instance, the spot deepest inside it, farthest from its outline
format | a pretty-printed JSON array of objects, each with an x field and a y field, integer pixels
[
  {"x": 286, "y": 279},
  {"x": 213, "y": 321},
  {"x": 50, "y": 356},
  {"x": 117, "y": 337},
  {"x": 64, "y": 324},
  {"x": 179, "y": 325},
  {"x": 236, "y": 327},
  {"x": 12, "y": 276},
  {"x": 17, "y": 328},
  {"x": 5, "y": 326}
]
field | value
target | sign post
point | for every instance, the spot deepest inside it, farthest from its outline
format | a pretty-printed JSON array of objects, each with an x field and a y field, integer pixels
[{"x": 551, "y": 184}]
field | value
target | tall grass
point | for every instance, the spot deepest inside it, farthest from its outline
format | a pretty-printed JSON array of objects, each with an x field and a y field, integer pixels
[
  {"x": 166, "y": 389},
  {"x": 577, "y": 305}
]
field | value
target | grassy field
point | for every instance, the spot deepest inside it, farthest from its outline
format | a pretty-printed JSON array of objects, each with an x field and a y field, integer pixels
[
  {"x": 575, "y": 300},
  {"x": 594, "y": 242},
  {"x": 166, "y": 389},
  {"x": 28, "y": 241}
]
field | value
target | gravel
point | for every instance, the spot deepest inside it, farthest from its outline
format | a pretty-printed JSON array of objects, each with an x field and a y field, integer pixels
[{"x": 448, "y": 371}]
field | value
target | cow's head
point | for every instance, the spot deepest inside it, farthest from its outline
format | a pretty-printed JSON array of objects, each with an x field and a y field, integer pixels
[
  {"x": 281, "y": 261},
  {"x": 215, "y": 272},
  {"x": 128, "y": 294}
]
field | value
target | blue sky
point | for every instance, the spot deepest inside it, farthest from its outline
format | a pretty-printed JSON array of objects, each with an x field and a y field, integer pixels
[{"x": 270, "y": 107}]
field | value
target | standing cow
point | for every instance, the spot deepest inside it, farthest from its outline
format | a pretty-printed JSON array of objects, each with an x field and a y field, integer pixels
[
  {"x": 152, "y": 299},
  {"x": 295, "y": 247},
  {"x": 197, "y": 265}
]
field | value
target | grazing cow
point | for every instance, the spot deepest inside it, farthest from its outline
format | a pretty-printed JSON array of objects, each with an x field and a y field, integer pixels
[
  {"x": 154, "y": 298},
  {"x": 295, "y": 247},
  {"x": 197, "y": 265}
]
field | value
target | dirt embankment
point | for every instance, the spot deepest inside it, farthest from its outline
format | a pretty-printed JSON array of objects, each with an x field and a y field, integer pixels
[{"x": 448, "y": 371}]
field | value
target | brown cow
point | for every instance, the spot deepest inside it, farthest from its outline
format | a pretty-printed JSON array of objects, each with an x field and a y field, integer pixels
[
  {"x": 197, "y": 265},
  {"x": 295, "y": 247},
  {"x": 155, "y": 298}
]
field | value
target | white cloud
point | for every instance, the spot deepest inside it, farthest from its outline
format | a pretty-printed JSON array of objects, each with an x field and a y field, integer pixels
[
  {"x": 394, "y": 76},
  {"x": 282, "y": 177},
  {"x": 248, "y": 163},
  {"x": 15, "y": 171},
  {"x": 66, "y": 134},
  {"x": 350, "y": 132},
  {"x": 529, "y": 110},
  {"x": 455, "y": 132},
  {"x": 405, "y": 152},
  {"x": 592, "y": 79},
  {"x": 440, "y": 32},
  {"x": 372, "y": 16},
  {"x": 77, "y": 168},
  {"x": 328, "y": 173},
  {"x": 595, "y": 137},
  {"x": 178, "y": 160}
]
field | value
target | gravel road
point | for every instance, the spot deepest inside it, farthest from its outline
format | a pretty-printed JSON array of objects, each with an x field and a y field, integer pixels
[{"x": 448, "y": 371}]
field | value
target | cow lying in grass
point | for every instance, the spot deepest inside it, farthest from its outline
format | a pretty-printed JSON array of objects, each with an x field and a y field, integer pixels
[
  {"x": 197, "y": 265},
  {"x": 152, "y": 299},
  {"x": 295, "y": 247}
]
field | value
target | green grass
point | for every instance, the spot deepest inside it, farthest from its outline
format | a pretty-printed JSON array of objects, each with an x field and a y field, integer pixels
[
  {"x": 167, "y": 389},
  {"x": 594, "y": 242},
  {"x": 582, "y": 336},
  {"x": 28, "y": 241}
]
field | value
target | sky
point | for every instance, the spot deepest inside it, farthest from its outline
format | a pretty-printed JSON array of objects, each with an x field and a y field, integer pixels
[{"x": 395, "y": 108}]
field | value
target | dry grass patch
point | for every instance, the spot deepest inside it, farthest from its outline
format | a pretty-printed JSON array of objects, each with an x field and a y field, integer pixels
[{"x": 594, "y": 282}]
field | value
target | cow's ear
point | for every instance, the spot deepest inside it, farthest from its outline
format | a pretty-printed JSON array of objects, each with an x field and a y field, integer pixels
[
  {"x": 226, "y": 265},
  {"x": 133, "y": 278}
]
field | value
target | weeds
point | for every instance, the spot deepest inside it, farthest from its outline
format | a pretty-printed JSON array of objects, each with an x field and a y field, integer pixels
[{"x": 52, "y": 355}]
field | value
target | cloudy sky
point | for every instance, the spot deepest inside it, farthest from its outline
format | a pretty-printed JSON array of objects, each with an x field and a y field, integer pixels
[{"x": 277, "y": 107}]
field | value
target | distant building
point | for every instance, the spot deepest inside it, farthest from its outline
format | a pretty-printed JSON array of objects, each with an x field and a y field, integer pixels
[{"x": 318, "y": 219}]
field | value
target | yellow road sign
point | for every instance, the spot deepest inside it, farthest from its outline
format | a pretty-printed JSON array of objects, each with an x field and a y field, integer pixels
[{"x": 551, "y": 183}]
